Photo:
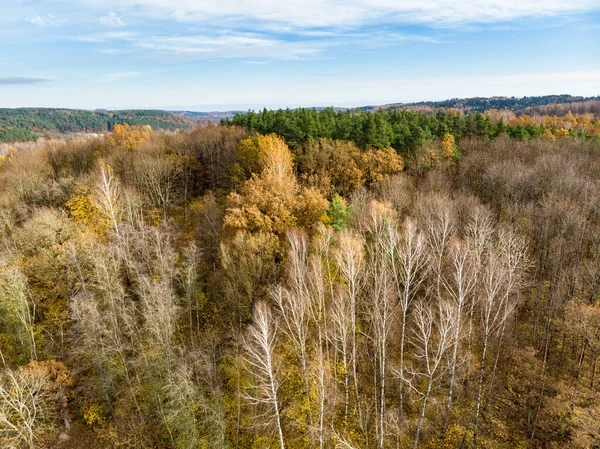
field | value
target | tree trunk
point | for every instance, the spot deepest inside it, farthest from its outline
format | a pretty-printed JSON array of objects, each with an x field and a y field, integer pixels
[{"x": 422, "y": 414}]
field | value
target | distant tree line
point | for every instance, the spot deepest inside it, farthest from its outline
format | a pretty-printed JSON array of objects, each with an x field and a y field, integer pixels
[
  {"x": 403, "y": 130},
  {"x": 24, "y": 124},
  {"x": 478, "y": 104}
]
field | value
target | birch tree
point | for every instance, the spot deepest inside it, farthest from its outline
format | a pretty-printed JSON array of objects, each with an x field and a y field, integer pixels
[
  {"x": 28, "y": 406},
  {"x": 382, "y": 308},
  {"x": 501, "y": 275},
  {"x": 438, "y": 223},
  {"x": 262, "y": 364},
  {"x": 16, "y": 308},
  {"x": 351, "y": 262},
  {"x": 432, "y": 337},
  {"x": 408, "y": 263},
  {"x": 459, "y": 285},
  {"x": 107, "y": 196}
]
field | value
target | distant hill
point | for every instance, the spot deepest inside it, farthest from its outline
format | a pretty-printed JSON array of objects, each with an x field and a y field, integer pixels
[
  {"x": 25, "y": 124},
  {"x": 211, "y": 116},
  {"x": 548, "y": 104}
]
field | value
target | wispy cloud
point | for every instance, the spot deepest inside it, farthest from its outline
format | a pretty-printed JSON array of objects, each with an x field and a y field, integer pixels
[
  {"x": 336, "y": 14},
  {"x": 109, "y": 36},
  {"x": 257, "y": 62},
  {"x": 46, "y": 20},
  {"x": 256, "y": 46},
  {"x": 120, "y": 75},
  {"x": 10, "y": 80},
  {"x": 111, "y": 20}
]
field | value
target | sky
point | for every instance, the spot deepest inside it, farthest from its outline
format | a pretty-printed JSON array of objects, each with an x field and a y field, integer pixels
[{"x": 247, "y": 54}]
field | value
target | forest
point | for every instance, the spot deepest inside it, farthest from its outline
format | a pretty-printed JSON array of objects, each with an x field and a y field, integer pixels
[
  {"x": 411, "y": 122},
  {"x": 305, "y": 279},
  {"x": 23, "y": 124},
  {"x": 560, "y": 104},
  {"x": 405, "y": 130}
]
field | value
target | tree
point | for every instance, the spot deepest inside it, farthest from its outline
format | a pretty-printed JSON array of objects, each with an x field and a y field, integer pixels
[
  {"x": 158, "y": 176},
  {"x": 459, "y": 284},
  {"x": 130, "y": 137},
  {"x": 500, "y": 277},
  {"x": 350, "y": 260},
  {"x": 432, "y": 338},
  {"x": 381, "y": 311},
  {"x": 262, "y": 364},
  {"x": 338, "y": 213},
  {"x": 31, "y": 398},
  {"x": 270, "y": 200},
  {"x": 18, "y": 313},
  {"x": 408, "y": 262},
  {"x": 107, "y": 196}
]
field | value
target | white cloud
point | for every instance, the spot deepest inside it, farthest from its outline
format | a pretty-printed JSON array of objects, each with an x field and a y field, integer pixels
[
  {"x": 106, "y": 37},
  {"x": 231, "y": 45},
  {"x": 257, "y": 62},
  {"x": 254, "y": 46},
  {"x": 120, "y": 75},
  {"x": 335, "y": 13},
  {"x": 111, "y": 20},
  {"x": 46, "y": 20}
]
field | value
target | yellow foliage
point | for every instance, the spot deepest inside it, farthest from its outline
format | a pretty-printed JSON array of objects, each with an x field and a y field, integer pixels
[
  {"x": 92, "y": 414},
  {"x": 310, "y": 207},
  {"x": 82, "y": 209},
  {"x": 276, "y": 157},
  {"x": 379, "y": 164},
  {"x": 10, "y": 152},
  {"x": 448, "y": 147},
  {"x": 248, "y": 160},
  {"x": 271, "y": 201},
  {"x": 80, "y": 204},
  {"x": 548, "y": 135},
  {"x": 129, "y": 137}
]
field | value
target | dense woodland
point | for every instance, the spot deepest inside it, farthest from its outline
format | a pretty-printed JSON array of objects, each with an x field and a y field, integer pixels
[
  {"x": 304, "y": 280},
  {"x": 23, "y": 124},
  {"x": 559, "y": 104},
  {"x": 554, "y": 111},
  {"x": 407, "y": 131}
]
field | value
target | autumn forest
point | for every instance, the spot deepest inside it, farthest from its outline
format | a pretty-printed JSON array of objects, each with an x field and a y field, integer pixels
[{"x": 305, "y": 278}]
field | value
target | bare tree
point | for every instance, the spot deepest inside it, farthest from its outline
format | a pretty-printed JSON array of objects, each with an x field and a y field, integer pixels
[
  {"x": 501, "y": 276},
  {"x": 260, "y": 358},
  {"x": 438, "y": 223},
  {"x": 181, "y": 402},
  {"x": 408, "y": 262},
  {"x": 432, "y": 337},
  {"x": 381, "y": 313},
  {"x": 14, "y": 302},
  {"x": 107, "y": 195},
  {"x": 158, "y": 175},
  {"x": 318, "y": 308},
  {"x": 340, "y": 337},
  {"x": 26, "y": 407},
  {"x": 295, "y": 313},
  {"x": 350, "y": 260},
  {"x": 478, "y": 233},
  {"x": 459, "y": 285},
  {"x": 105, "y": 319},
  {"x": 188, "y": 278}
]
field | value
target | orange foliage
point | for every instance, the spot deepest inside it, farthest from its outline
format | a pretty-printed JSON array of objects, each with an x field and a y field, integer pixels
[
  {"x": 129, "y": 137},
  {"x": 272, "y": 201}
]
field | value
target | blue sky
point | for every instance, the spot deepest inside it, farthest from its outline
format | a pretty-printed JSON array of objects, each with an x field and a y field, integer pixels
[{"x": 240, "y": 54}]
